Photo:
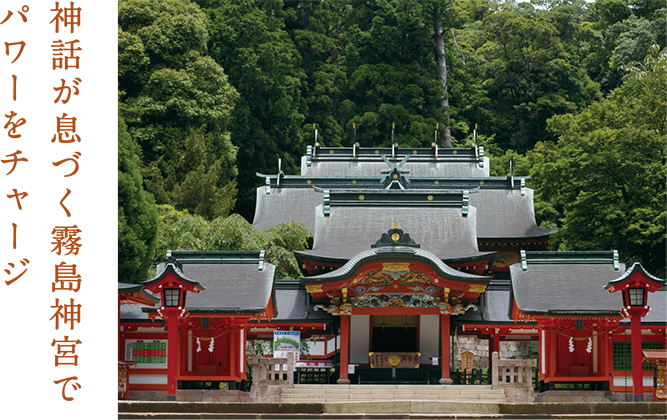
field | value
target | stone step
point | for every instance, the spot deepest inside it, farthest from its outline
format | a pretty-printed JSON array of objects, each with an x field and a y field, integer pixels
[
  {"x": 332, "y": 397},
  {"x": 389, "y": 410},
  {"x": 300, "y": 391},
  {"x": 343, "y": 393},
  {"x": 379, "y": 416},
  {"x": 473, "y": 395},
  {"x": 391, "y": 386}
]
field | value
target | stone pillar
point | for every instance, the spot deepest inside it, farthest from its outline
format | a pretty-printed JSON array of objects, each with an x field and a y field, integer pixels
[
  {"x": 445, "y": 379},
  {"x": 344, "y": 348}
]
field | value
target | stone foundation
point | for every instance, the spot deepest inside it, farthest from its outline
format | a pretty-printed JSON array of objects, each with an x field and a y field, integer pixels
[
  {"x": 193, "y": 395},
  {"x": 480, "y": 350}
]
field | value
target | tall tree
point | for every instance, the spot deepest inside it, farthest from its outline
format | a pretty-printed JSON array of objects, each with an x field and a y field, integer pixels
[
  {"x": 436, "y": 12},
  {"x": 137, "y": 213},
  {"x": 248, "y": 40},
  {"x": 177, "y": 103}
]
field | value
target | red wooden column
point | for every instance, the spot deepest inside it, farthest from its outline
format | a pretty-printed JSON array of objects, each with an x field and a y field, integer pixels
[
  {"x": 233, "y": 354},
  {"x": 637, "y": 356},
  {"x": 344, "y": 348},
  {"x": 173, "y": 353},
  {"x": 445, "y": 349}
]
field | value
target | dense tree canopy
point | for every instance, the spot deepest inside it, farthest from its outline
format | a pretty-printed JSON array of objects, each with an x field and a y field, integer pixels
[
  {"x": 182, "y": 231},
  {"x": 552, "y": 83},
  {"x": 137, "y": 213},
  {"x": 177, "y": 103},
  {"x": 603, "y": 183}
]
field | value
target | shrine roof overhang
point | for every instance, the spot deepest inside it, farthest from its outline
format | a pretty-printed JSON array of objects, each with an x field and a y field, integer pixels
[
  {"x": 135, "y": 293},
  {"x": 284, "y": 205},
  {"x": 294, "y": 305},
  {"x": 234, "y": 282},
  {"x": 564, "y": 284},
  {"x": 657, "y": 315},
  {"x": 493, "y": 308},
  {"x": 413, "y": 258},
  {"x": 133, "y": 313},
  {"x": 379, "y": 182}
]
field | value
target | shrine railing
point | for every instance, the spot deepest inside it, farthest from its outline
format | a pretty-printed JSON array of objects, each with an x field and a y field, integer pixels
[
  {"x": 313, "y": 375},
  {"x": 272, "y": 371},
  {"x": 473, "y": 376},
  {"x": 513, "y": 372}
]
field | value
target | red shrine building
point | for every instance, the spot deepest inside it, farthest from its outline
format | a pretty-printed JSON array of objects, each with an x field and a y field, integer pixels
[{"x": 411, "y": 248}]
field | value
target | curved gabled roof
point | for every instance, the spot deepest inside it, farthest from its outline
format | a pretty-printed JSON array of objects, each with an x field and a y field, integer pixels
[{"x": 396, "y": 253}]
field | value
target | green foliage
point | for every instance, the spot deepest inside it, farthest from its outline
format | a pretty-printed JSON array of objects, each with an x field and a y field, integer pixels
[
  {"x": 137, "y": 214},
  {"x": 177, "y": 103},
  {"x": 248, "y": 40},
  {"x": 184, "y": 232},
  {"x": 603, "y": 183},
  {"x": 528, "y": 76}
]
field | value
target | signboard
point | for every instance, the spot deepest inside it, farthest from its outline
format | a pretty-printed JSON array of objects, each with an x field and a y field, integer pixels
[
  {"x": 147, "y": 353},
  {"x": 287, "y": 344},
  {"x": 286, "y": 341}
]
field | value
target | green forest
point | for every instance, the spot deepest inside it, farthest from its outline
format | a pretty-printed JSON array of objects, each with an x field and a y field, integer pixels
[{"x": 212, "y": 91}]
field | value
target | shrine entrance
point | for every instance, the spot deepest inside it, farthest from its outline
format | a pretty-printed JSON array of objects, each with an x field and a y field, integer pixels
[
  {"x": 395, "y": 302},
  {"x": 395, "y": 333}
]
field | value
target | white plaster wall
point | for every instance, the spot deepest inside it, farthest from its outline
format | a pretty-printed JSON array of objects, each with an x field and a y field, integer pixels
[
  {"x": 429, "y": 336},
  {"x": 621, "y": 381},
  {"x": 359, "y": 338},
  {"x": 148, "y": 379}
]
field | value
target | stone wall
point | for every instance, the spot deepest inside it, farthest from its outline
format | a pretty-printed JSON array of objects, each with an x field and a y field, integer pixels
[
  {"x": 480, "y": 350},
  {"x": 192, "y": 395}
]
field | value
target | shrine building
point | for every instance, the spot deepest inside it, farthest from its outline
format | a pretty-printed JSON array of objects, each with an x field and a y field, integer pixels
[{"x": 411, "y": 249}]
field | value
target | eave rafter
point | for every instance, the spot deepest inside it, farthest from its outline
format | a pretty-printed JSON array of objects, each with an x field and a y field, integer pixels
[{"x": 395, "y": 285}]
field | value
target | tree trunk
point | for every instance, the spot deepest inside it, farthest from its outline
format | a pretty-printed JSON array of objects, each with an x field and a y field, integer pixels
[{"x": 441, "y": 61}]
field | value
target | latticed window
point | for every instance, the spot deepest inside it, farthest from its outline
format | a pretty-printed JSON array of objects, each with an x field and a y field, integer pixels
[
  {"x": 623, "y": 354},
  {"x": 636, "y": 297},
  {"x": 171, "y": 297}
]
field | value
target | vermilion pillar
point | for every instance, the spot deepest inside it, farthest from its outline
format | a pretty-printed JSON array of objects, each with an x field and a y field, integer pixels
[
  {"x": 637, "y": 357},
  {"x": 445, "y": 350},
  {"x": 173, "y": 345},
  {"x": 344, "y": 348}
]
